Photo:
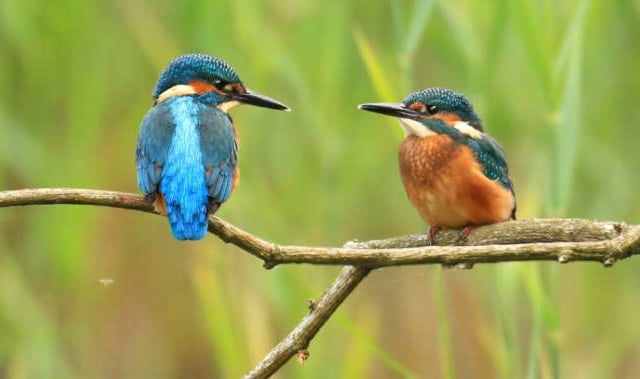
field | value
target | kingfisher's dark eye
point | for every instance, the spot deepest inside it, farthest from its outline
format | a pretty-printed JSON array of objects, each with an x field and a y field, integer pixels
[
  {"x": 219, "y": 84},
  {"x": 225, "y": 86},
  {"x": 432, "y": 109}
]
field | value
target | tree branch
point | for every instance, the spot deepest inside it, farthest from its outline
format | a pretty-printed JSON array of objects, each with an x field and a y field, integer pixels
[
  {"x": 319, "y": 313},
  {"x": 562, "y": 240}
]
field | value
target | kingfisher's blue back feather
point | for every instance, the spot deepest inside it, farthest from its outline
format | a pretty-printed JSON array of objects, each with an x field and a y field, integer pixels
[
  {"x": 187, "y": 152},
  {"x": 219, "y": 154},
  {"x": 491, "y": 157},
  {"x": 183, "y": 185}
]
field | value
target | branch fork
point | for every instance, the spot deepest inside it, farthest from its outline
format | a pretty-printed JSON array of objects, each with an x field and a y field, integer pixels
[{"x": 560, "y": 240}]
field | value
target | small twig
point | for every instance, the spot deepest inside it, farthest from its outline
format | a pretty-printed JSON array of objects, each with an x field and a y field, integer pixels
[{"x": 562, "y": 240}]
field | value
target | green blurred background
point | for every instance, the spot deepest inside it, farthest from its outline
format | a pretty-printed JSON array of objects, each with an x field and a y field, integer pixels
[{"x": 556, "y": 83}]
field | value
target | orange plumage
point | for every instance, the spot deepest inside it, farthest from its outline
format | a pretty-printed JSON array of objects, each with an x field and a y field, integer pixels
[
  {"x": 447, "y": 186},
  {"x": 454, "y": 173}
]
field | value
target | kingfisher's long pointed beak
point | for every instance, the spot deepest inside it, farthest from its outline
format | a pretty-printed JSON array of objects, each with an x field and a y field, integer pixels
[
  {"x": 254, "y": 98},
  {"x": 391, "y": 109}
]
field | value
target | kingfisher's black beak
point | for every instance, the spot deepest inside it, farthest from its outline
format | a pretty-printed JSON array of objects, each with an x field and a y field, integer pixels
[
  {"x": 391, "y": 109},
  {"x": 254, "y": 98}
]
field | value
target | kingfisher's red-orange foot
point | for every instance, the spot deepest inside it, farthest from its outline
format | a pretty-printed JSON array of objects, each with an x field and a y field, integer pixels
[{"x": 454, "y": 174}]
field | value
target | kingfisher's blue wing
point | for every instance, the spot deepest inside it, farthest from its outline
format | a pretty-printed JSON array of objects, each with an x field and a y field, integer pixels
[
  {"x": 153, "y": 146},
  {"x": 219, "y": 153},
  {"x": 491, "y": 157},
  {"x": 486, "y": 150}
]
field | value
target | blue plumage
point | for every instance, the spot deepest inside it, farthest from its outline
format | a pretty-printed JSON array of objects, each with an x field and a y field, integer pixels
[
  {"x": 183, "y": 185},
  {"x": 491, "y": 157},
  {"x": 189, "y": 67},
  {"x": 154, "y": 140},
  {"x": 486, "y": 150},
  {"x": 447, "y": 100},
  {"x": 187, "y": 153},
  {"x": 220, "y": 154}
]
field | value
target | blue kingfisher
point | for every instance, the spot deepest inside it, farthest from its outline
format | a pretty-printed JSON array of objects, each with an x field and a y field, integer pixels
[
  {"x": 187, "y": 153},
  {"x": 454, "y": 173}
]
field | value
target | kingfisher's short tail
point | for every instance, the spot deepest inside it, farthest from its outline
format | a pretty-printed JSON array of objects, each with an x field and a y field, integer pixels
[
  {"x": 187, "y": 221},
  {"x": 186, "y": 199}
]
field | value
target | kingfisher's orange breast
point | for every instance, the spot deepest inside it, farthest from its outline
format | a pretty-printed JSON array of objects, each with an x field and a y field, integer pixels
[{"x": 447, "y": 186}]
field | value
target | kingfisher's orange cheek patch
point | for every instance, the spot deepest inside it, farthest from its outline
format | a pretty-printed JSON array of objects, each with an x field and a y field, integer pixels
[
  {"x": 418, "y": 107},
  {"x": 236, "y": 87},
  {"x": 201, "y": 87},
  {"x": 447, "y": 117}
]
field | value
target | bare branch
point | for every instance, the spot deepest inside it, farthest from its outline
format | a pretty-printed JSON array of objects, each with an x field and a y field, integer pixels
[
  {"x": 42, "y": 196},
  {"x": 562, "y": 240}
]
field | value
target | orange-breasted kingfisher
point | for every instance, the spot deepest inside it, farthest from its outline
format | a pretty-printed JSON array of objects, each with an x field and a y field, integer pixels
[
  {"x": 454, "y": 173},
  {"x": 187, "y": 153}
]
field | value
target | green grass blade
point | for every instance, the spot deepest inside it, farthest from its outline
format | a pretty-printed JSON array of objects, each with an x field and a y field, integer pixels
[
  {"x": 398, "y": 20},
  {"x": 222, "y": 325},
  {"x": 538, "y": 53},
  {"x": 459, "y": 20},
  {"x": 447, "y": 361},
  {"x": 358, "y": 358},
  {"x": 419, "y": 20},
  {"x": 371, "y": 345},
  {"x": 379, "y": 75},
  {"x": 569, "y": 121},
  {"x": 573, "y": 34}
]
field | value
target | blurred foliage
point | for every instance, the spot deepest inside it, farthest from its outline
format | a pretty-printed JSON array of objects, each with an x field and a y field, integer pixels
[{"x": 556, "y": 82}]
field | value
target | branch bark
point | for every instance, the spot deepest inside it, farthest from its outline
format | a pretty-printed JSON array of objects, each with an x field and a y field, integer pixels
[{"x": 562, "y": 240}]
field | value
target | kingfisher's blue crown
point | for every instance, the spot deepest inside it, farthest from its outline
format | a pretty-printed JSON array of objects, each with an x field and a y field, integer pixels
[
  {"x": 445, "y": 100},
  {"x": 189, "y": 67}
]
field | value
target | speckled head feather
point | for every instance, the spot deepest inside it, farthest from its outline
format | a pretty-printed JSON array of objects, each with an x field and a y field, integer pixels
[
  {"x": 190, "y": 67},
  {"x": 447, "y": 101}
]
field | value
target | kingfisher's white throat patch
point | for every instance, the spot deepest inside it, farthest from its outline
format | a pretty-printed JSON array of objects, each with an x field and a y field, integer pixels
[
  {"x": 415, "y": 128},
  {"x": 467, "y": 129},
  {"x": 227, "y": 105}
]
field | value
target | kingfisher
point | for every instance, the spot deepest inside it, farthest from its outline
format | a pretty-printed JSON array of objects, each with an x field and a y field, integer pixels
[
  {"x": 187, "y": 153},
  {"x": 454, "y": 173}
]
